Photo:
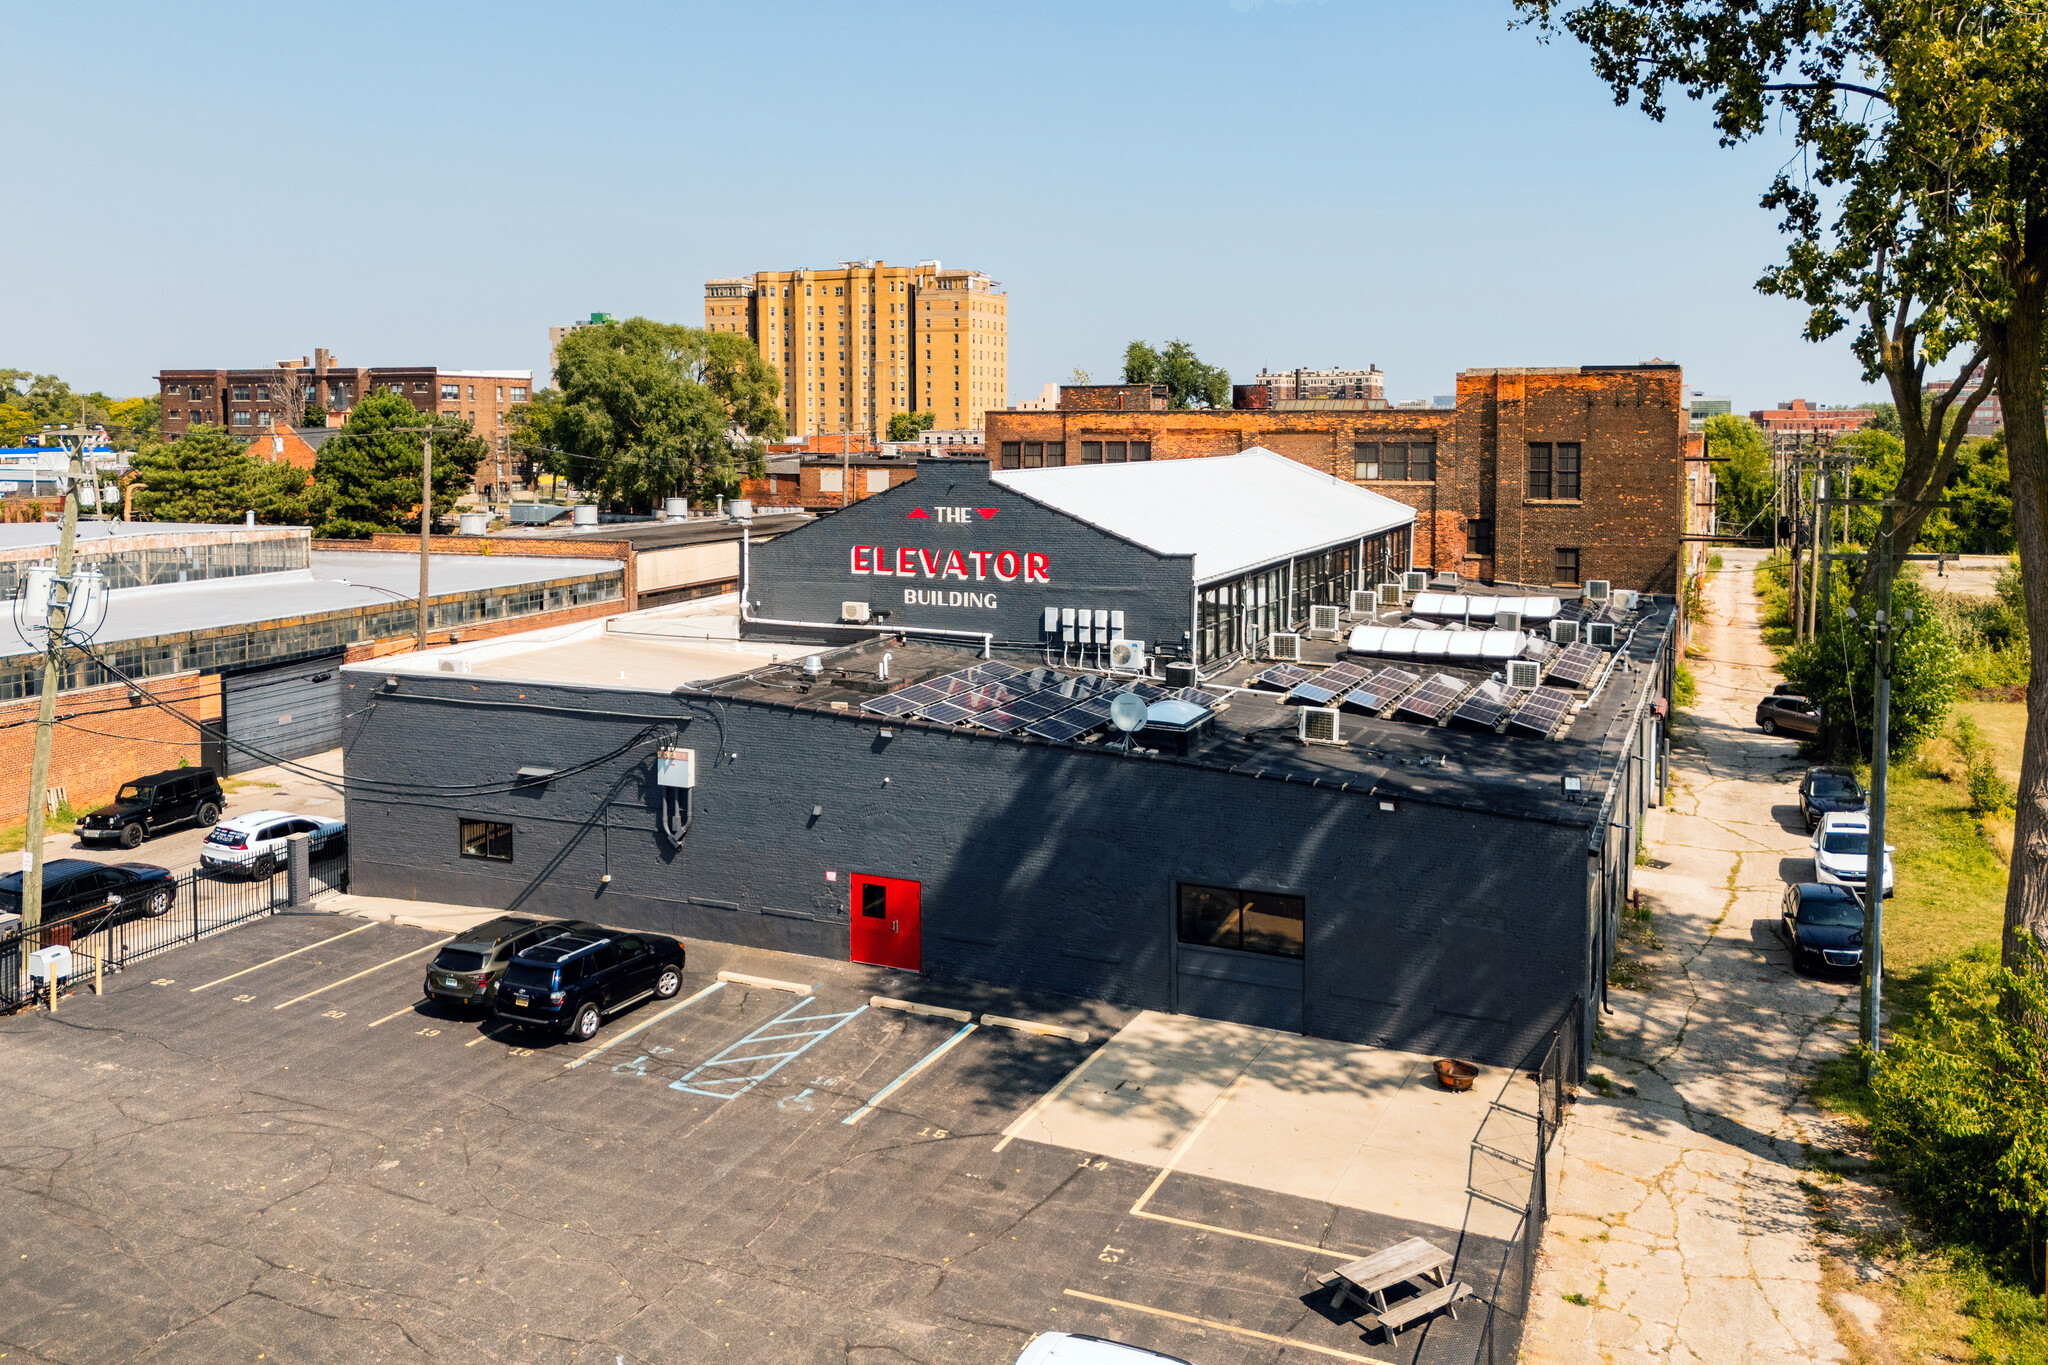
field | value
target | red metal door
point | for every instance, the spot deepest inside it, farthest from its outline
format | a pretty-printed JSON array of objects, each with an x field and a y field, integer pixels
[{"x": 885, "y": 923}]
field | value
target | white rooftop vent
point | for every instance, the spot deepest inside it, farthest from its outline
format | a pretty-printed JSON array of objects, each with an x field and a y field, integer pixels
[
  {"x": 1323, "y": 621},
  {"x": 854, "y": 611},
  {"x": 1596, "y": 589},
  {"x": 1318, "y": 725},
  {"x": 1564, "y": 632},
  {"x": 1600, "y": 633},
  {"x": 1524, "y": 673},
  {"x": 1283, "y": 645}
]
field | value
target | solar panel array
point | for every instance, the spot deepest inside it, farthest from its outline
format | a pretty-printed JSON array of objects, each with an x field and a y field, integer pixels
[
  {"x": 1326, "y": 686},
  {"x": 1542, "y": 710},
  {"x": 1577, "y": 665},
  {"x": 1485, "y": 706},
  {"x": 1429, "y": 700},
  {"x": 1281, "y": 678},
  {"x": 1382, "y": 687}
]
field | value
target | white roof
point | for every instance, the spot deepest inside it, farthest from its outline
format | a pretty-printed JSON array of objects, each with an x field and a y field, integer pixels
[{"x": 1231, "y": 512}]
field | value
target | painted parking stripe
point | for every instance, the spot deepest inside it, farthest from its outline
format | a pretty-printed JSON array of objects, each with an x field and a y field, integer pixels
[
  {"x": 1221, "y": 1326},
  {"x": 282, "y": 956},
  {"x": 681, "y": 1004},
  {"x": 736, "y": 1070},
  {"x": 941, "y": 1050},
  {"x": 408, "y": 1009},
  {"x": 365, "y": 972},
  {"x": 1024, "y": 1119}
]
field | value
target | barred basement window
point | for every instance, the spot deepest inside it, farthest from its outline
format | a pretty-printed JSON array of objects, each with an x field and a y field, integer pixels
[
  {"x": 487, "y": 839},
  {"x": 1141, "y": 450},
  {"x": 1247, "y": 921}
]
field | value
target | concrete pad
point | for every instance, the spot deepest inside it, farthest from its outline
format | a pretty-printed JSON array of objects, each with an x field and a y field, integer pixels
[{"x": 433, "y": 915}]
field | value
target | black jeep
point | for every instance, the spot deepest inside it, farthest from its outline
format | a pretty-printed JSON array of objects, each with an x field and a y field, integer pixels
[{"x": 153, "y": 804}]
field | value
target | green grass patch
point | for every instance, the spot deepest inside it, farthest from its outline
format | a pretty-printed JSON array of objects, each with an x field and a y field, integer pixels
[{"x": 1685, "y": 687}]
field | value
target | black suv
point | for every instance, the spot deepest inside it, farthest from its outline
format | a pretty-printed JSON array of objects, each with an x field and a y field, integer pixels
[
  {"x": 572, "y": 981},
  {"x": 92, "y": 896},
  {"x": 467, "y": 971},
  {"x": 1828, "y": 789},
  {"x": 150, "y": 805}
]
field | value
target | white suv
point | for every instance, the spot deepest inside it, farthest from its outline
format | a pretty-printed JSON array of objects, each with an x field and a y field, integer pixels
[
  {"x": 1073, "y": 1348},
  {"x": 255, "y": 843},
  {"x": 1841, "y": 850}
]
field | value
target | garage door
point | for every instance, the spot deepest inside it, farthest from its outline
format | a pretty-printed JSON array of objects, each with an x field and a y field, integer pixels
[{"x": 287, "y": 710}]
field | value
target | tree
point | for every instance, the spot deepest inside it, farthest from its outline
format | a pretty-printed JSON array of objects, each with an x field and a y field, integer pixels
[
  {"x": 1744, "y": 489},
  {"x": 1189, "y": 382},
  {"x": 1916, "y": 210},
  {"x": 211, "y": 476},
  {"x": 133, "y": 422},
  {"x": 650, "y": 410},
  {"x": 369, "y": 473},
  {"x": 904, "y": 426},
  {"x": 1833, "y": 667},
  {"x": 1081, "y": 377}
]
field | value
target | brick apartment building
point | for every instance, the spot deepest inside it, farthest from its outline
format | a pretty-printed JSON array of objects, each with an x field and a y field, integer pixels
[
  {"x": 251, "y": 403},
  {"x": 856, "y": 344},
  {"x": 1798, "y": 418},
  {"x": 1545, "y": 476}
]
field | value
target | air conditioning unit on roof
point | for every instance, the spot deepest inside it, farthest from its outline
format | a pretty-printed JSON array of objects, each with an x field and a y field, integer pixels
[
  {"x": 1564, "y": 632},
  {"x": 1600, "y": 633},
  {"x": 1127, "y": 656},
  {"x": 1363, "y": 600},
  {"x": 1283, "y": 645},
  {"x": 854, "y": 611},
  {"x": 1415, "y": 580},
  {"x": 1323, "y": 621},
  {"x": 1626, "y": 598},
  {"x": 1318, "y": 725},
  {"x": 1524, "y": 673},
  {"x": 1507, "y": 620},
  {"x": 1596, "y": 589},
  {"x": 1390, "y": 594}
]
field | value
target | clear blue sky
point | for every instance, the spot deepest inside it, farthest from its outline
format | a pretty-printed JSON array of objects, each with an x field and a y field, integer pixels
[{"x": 1344, "y": 182}]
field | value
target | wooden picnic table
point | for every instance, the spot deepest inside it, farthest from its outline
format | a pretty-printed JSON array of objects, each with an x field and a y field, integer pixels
[{"x": 1371, "y": 1276}]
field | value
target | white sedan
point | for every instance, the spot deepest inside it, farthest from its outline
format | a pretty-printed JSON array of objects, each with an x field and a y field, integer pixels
[{"x": 255, "y": 843}]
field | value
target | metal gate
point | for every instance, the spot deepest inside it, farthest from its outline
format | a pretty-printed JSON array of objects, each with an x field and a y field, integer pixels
[{"x": 284, "y": 710}]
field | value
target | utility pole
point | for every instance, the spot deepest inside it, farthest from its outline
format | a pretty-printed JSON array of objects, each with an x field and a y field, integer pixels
[
  {"x": 426, "y": 529},
  {"x": 74, "y": 439}
]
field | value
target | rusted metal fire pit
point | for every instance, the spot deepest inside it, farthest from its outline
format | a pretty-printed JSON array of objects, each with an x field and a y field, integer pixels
[{"x": 1456, "y": 1075}]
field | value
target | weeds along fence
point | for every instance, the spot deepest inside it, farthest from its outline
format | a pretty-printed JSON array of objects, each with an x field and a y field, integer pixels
[
  {"x": 1557, "y": 1078},
  {"x": 112, "y": 938}
]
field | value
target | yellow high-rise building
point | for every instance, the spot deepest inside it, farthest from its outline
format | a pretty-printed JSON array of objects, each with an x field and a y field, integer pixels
[{"x": 857, "y": 344}]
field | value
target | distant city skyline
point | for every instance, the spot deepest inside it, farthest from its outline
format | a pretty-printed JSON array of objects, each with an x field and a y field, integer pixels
[{"x": 428, "y": 212}]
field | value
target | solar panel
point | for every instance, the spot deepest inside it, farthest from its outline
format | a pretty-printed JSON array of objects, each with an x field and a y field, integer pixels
[
  {"x": 1432, "y": 697},
  {"x": 1542, "y": 711},
  {"x": 1485, "y": 706},
  {"x": 995, "y": 670},
  {"x": 1065, "y": 726},
  {"x": 1338, "y": 677},
  {"x": 947, "y": 713},
  {"x": 1195, "y": 695},
  {"x": 1281, "y": 677},
  {"x": 894, "y": 704},
  {"x": 1577, "y": 665},
  {"x": 1312, "y": 694},
  {"x": 1380, "y": 688}
]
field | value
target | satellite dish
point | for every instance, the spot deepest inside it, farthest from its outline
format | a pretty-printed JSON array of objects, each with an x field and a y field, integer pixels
[{"x": 1127, "y": 712}]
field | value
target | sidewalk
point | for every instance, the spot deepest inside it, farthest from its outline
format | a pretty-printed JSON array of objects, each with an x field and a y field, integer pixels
[
  {"x": 1677, "y": 1215},
  {"x": 446, "y": 919}
]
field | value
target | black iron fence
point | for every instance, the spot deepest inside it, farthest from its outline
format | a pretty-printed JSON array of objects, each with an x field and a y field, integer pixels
[
  {"x": 115, "y": 937},
  {"x": 1557, "y": 1078}
]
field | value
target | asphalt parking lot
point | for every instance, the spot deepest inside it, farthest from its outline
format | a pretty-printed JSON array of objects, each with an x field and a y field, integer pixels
[{"x": 266, "y": 1147}]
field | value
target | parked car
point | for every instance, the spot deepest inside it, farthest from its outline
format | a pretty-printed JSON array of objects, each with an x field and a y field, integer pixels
[
  {"x": 255, "y": 842},
  {"x": 1822, "y": 923},
  {"x": 150, "y": 805},
  {"x": 572, "y": 981},
  {"x": 1829, "y": 789},
  {"x": 1795, "y": 715},
  {"x": 467, "y": 971},
  {"x": 1075, "y": 1348},
  {"x": 90, "y": 896},
  {"x": 1841, "y": 850}
]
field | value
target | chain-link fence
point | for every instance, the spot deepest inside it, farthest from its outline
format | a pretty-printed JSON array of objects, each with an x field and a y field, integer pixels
[{"x": 154, "y": 917}]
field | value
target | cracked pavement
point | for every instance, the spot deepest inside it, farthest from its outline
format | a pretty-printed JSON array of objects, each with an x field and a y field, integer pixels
[{"x": 1677, "y": 1215}]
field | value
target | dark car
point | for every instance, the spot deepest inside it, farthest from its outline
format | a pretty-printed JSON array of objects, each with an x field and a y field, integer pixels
[
  {"x": 1828, "y": 789},
  {"x": 91, "y": 896},
  {"x": 153, "y": 804},
  {"x": 1823, "y": 926},
  {"x": 572, "y": 981},
  {"x": 467, "y": 971},
  {"x": 1791, "y": 715}
]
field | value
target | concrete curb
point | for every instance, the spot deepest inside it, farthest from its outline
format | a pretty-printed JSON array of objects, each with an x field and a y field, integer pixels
[
  {"x": 1073, "y": 1035},
  {"x": 766, "y": 982},
  {"x": 884, "y": 1002}
]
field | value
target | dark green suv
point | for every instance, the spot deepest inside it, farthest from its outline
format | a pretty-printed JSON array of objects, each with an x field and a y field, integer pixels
[{"x": 466, "y": 972}]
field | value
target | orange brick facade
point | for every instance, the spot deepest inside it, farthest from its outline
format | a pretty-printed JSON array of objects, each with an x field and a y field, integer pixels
[
  {"x": 1627, "y": 424},
  {"x": 101, "y": 740}
]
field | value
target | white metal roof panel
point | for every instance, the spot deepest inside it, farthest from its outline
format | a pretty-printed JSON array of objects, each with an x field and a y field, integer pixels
[{"x": 1231, "y": 512}]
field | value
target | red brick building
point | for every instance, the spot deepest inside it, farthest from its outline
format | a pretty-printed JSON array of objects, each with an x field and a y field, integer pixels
[
  {"x": 1797, "y": 418},
  {"x": 1543, "y": 476}
]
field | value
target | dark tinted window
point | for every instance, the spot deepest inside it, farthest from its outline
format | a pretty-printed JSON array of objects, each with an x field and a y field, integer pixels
[
  {"x": 630, "y": 948},
  {"x": 531, "y": 975},
  {"x": 1250, "y": 921},
  {"x": 1849, "y": 843},
  {"x": 488, "y": 839},
  {"x": 874, "y": 900},
  {"x": 132, "y": 792},
  {"x": 459, "y": 960},
  {"x": 1835, "y": 784},
  {"x": 1838, "y": 913}
]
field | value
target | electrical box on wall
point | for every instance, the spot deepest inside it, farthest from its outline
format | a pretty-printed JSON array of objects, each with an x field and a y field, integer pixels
[{"x": 676, "y": 768}]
